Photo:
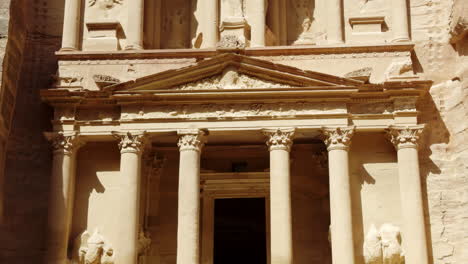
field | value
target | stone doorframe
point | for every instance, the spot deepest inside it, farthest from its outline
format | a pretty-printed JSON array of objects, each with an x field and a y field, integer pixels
[{"x": 219, "y": 185}]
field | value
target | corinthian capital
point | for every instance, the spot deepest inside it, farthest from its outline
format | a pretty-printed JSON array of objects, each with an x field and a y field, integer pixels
[
  {"x": 193, "y": 139},
  {"x": 279, "y": 139},
  {"x": 131, "y": 142},
  {"x": 338, "y": 137},
  {"x": 64, "y": 142},
  {"x": 405, "y": 136}
]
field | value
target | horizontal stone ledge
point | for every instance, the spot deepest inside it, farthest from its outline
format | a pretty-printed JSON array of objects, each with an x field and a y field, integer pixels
[{"x": 257, "y": 51}]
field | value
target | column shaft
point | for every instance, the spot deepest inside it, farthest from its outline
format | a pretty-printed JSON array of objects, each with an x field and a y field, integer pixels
[
  {"x": 135, "y": 25},
  {"x": 414, "y": 233},
  {"x": 71, "y": 25},
  {"x": 280, "y": 206},
  {"x": 400, "y": 20},
  {"x": 131, "y": 147},
  {"x": 283, "y": 13},
  {"x": 340, "y": 207},
  {"x": 130, "y": 170},
  {"x": 212, "y": 24},
  {"x": 274, "y": 19},
  {"x": 335, "y": 22},
  {"x": 280, "y": 142},
  {"x": 257, "y": 18},
  {"x": 188, "y": 226},
  {"x": 61, "y": 196},
  {"x": 414, "y": 238},
  {"x": 338, "y": 141}
]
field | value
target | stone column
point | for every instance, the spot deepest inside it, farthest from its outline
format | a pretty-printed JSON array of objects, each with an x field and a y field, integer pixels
[
  {"x": 131, "y": 147},
  {"x": 405, "y": 140},
  {"x": 256, "y": 14},
  {"x": 400, "y": 20},
  {"x": 135, "y": 25},
  {"x": 279, "y": 142},
  {"x": 212, "y": 24},
  {"x": 62, "y": 186},
  {"x": 71, "y": 25},
  {"x": 335, "y": 32},
  {"x": 338, "y": 141},
  {"x": 188, "y": 229}
]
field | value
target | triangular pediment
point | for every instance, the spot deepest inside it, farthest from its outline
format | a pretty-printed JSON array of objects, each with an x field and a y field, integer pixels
[{"x": 233, "y": 71}]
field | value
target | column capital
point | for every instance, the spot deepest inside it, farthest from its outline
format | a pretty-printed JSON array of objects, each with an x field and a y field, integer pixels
[
  {"x": 64, "y": 142},
  {"x": 405, "y": 136},
  {"x": 191, "y": 139},
  {"x": 131, "y": 142},
  {"x": 338, "y": 137},
  {"x": 279, "y": 139}
]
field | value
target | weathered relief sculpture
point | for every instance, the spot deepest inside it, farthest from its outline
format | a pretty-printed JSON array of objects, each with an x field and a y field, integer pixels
[
  {"x": 305, "y": 20},
  {"x": 383, "y": 246},
  {"x": 93, "y": 249},
  {"x": 233, "y": 26},
  {"x": 373, "y": 247},
  {"x": 391, "y": 244},
  {"x": 102, "y": 8},
  {"x": 176, "y": 25}
]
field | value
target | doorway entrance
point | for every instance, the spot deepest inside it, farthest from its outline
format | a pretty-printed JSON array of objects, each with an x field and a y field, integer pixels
[{"x": 240, "y": 231}]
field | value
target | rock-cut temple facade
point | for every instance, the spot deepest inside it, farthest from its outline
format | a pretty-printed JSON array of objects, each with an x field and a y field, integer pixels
[{"x": 236, "y": 131}]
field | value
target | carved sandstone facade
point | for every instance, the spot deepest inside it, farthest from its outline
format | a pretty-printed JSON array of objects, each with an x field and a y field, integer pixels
[{"x": 163, "y": 109}]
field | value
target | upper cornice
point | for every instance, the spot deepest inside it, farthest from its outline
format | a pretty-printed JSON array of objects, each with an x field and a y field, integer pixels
[{"x": 207, "y": 53}]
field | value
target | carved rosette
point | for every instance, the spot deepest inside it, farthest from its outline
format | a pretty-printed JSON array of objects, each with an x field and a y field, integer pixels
[
  {"x": 279, "y": 139},
  {"x": 338, "y": 138},
  {"x": 63, "y": 142},
  {"x": 405, "y": 136},
  {"x": 193, "y": 140},
  {"x": 131, "y": 142}
]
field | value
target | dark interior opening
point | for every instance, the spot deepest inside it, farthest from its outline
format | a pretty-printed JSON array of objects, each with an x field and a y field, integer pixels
[{"x": 240, "y": 231}]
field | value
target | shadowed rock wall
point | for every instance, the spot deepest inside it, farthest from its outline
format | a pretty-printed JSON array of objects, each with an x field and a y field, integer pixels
[{"x": 34, "y": 36}]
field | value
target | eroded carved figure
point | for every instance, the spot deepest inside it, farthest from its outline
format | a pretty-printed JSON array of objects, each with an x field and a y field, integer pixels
[
  {"x": 104, "y": 4},
  {"x": 383, "y": 246},
  {"x": 93, "y": 249},
  {"x": 232, "y": 9},
  {"x": 304, "y": 21},
  {"x": 373, "y": 247}
]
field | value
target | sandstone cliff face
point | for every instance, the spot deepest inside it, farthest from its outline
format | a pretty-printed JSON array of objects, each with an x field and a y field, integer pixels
[
  {"x": 34, "y": 36},
  {"x": 438, "y": 28},
  {"x": 439, "y": 31}
]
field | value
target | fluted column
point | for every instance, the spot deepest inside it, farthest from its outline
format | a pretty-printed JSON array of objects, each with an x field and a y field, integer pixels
[
  {"x": 131, "y": 148},
  {"x": 256, "y": 12},
  {"x": 406, "y": 140},
  {"x": 400, "y": 20},
  {"x": 62, "y": 186},
  {"x": 335, "y": 32},
  {"x": 135, "y": 25},
  {"x": 188, "y": 227},
  {"x": 71, "y": 25},
  {"x": 279, "y": 142},
  {"x": 338, "y": 141}
]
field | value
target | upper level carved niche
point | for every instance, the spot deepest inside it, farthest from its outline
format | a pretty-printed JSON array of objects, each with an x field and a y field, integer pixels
[{"x": 110, "y": 25}]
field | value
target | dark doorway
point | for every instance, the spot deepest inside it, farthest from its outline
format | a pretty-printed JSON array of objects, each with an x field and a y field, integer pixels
[{"x": 239, "y": 231}]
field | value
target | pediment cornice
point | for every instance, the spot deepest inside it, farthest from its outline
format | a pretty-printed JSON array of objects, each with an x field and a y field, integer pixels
[{"x": 233, "y": 71}]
